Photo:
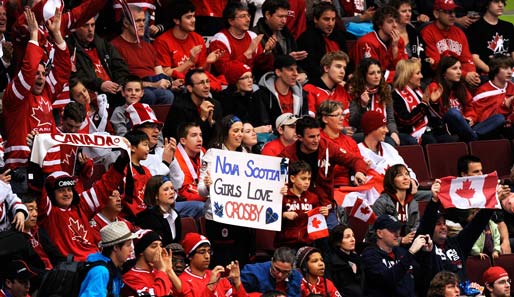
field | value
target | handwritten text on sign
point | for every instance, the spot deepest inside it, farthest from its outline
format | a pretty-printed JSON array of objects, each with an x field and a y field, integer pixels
[{"x": 246, "y": 189}]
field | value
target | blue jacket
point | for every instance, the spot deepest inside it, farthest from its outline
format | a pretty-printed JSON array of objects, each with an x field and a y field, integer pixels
[
  {"x": 96, "y": 280},
  {"x": 257, "y": 278}
]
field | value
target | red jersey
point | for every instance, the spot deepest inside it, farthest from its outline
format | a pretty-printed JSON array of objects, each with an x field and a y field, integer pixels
[
  {"x": 294, "y": 233},
  {"x": 139, "y": 281},
  {"x": 173, "y": 52},
  {"x": 234, "y": 50},
  {"x": 341, "y": 173},
  {"x": 488, "y": 100},
  {"x": 140, "y": 57},
  {"x": 273, "y": 148},
  {"x": 320, "y": 288},
  {"x": 371, "y": 46},
  {"x": 141, "y": 175},
  {"x": 191, "y": 168},
  {"x": 439, "y": 43},
  {"x": 69, "y": 228},
  {"x": 25, "y": 112},
  {"x": 196, "y": 286},
  {"x": 297, "y": 19},
  {"x": 316, "y": 95}
]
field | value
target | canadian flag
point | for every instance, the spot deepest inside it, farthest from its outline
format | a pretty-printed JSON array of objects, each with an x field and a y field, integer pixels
[
  {"x": 362, "y": 211},
  {"x": 317, "y": 225},
  {"x": 346, "y": 196},
  {"x": 469, "y": 191}
]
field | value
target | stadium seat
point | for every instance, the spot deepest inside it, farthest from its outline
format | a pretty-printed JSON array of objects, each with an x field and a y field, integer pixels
[
  {"x": 188, "y": 226},
  {"x": 161, "y": 111},
  {"x": 442, "y": 158},
  {"x": 495, "y": 155},
  {"x": 264, "y": 245},
  {"x": 507, "y": 262},
  {"x": 203, "y": 229},
  {"x": 475, "y": 267},
  {"x": 415, "y": 158}
]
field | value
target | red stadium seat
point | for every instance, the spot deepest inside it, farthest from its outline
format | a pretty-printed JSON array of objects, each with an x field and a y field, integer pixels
[
  {"x": 507, "y": 262},
  {"x": 415, "y": 158},
  {"x": 475, "y": 267},
  {"x": 442, "y": 158},
  {"x": 264, "y": 245},
  {"x": 495, "y": 155},
  {"x": 161, "y": 111},
  {"x": 188, "y": 226}
]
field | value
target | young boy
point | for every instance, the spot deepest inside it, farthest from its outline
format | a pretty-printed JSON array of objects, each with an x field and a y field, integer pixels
[
  {"x": 132, "y": 91},
  {"x": 136, "y": 182},
  {"x": 295, "y": 205}
]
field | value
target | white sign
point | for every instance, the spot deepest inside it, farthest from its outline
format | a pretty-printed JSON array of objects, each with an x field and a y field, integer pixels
[{"x": 245, "y": 188}]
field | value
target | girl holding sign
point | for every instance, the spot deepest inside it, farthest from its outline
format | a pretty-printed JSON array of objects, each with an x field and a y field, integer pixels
[{"x": 228, "y": 242}]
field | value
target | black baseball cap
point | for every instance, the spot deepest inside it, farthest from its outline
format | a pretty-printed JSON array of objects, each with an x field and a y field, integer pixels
[{"x": 388, "y": 222}]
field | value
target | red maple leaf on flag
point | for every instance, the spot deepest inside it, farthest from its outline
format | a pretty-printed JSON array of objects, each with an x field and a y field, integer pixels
[
  {"x": 365, "y": 210},
  {"x": 466, "y": 191},
  {"x": 315, "y": 223}
]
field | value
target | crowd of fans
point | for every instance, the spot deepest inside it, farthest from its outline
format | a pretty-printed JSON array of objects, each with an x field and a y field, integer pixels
[{"x": 334, "y": 86}]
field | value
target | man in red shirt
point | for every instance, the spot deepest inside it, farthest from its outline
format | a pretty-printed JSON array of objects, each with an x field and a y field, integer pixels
[
  {"x": 330, "y": 85},
  {"x": 152, "y": 274},
  {"x": 286, "y": 129},
  {"x": 383, "y": 44},
  {"x": 142, "y": 61},
  {"x": 443, "y": 38},
  {"x": 238, "y": 43},
  {"x": 198, "y": 280},
  {"x": 189, "y": 154},
  {"x": 181, "y": 48}
]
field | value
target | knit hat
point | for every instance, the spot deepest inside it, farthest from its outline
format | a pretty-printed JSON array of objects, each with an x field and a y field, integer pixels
[
  {"x": 493, "y": 273},
  {"x": 285, "y": 119},
  {"x": 445, "y": 5},
  {"x": 144, "y": 238},
  {"x": 140, "y": 113},
  {"x": 59, "y": 180},
  {"x": 236, "y": 70},
  {"x": 192, "y": 241},
  {"x": 302, "y": 255},
  {"x": 115, "y": 233},
  {"x": 371, "y": 121},
  {"x": 176, "y": 249},
  {"x": 18, "y": 269}
]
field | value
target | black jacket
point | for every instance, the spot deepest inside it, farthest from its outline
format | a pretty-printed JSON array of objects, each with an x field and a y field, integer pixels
[
  {"x": 341, "y": 274},
  {"x": 262, "y": 28},
  {"x": 184, "y": 111},
  {"x": 313, "y": 42},
  {"x": 152, "y": 218},
  {"x": 247, "y": 107},
  {"x": 111, "y": 60}
]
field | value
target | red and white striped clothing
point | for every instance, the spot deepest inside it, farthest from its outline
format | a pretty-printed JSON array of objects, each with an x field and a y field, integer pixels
[
  {"x": 25, "y": 112},
  {"x": 488, "y": 100}
]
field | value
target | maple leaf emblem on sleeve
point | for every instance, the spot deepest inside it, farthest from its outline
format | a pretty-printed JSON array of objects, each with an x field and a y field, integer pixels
[
  {"x": 466, "y": 191},
  {"x": 78, "y": 231},
  {"x": 365, "y": 210}
]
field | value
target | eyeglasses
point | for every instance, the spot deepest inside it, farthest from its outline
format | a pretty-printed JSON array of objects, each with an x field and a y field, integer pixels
[
  {"x": 204, "y": 251},
  {"x": 202, "y": 82},
  {"x": 277, "y": 270},
  {"x": 337, "y": 115},
  {"x": 242, "y": 16},
  {"x": 246, "y": 77},
  {"x": 447, "y": 11},
  {"x": 504, "y": 281}
]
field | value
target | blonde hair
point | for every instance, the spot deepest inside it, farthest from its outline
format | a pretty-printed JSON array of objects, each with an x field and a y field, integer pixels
[{"x": 404, "y": 71}]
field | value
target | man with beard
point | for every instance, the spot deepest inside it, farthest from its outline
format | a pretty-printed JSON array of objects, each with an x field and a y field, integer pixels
[
  {"x": 152, "y": 274},
  {"x": 497, "y": 282}
]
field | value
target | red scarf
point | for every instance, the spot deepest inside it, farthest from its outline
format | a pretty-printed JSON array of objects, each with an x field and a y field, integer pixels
[{"x": 411, "y": 98}]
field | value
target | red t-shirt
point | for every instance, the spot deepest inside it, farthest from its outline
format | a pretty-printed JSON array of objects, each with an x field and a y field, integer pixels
[
  {"x": 173, "y": 52},
  {"x": 99, "y": 68},
  {"x": 140, "y": 58},
  {"x": 286, "y": 101},
  {"x": 331, "y": 45}
]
